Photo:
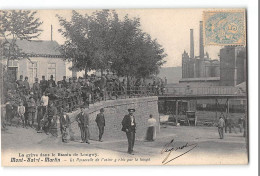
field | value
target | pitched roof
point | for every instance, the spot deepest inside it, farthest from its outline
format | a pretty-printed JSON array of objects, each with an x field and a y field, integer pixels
[{"x": 39, "y": 47}]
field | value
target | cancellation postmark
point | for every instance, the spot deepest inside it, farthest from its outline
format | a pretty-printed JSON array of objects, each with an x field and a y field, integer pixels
[{"x": 224, "y": 27}]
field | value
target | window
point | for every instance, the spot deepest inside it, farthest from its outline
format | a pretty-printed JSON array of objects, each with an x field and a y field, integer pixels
[
  {"x": 12, "y": 63},
  {"x": 52, "y": 70},
  {"x": 32, "y": 71}
]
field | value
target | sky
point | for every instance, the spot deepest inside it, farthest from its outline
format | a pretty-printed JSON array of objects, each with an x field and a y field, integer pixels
[{"x": 171, "y": 28}]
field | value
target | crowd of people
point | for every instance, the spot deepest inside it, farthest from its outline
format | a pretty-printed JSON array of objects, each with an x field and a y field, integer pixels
[{"x": 30, "y": 103}]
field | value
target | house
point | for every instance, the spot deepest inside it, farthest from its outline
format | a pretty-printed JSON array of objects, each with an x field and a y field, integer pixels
[{"x": 44, "y": 59}]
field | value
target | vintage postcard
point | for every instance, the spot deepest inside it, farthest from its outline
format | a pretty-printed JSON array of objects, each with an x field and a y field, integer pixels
[{"x": 124, "y": 87}]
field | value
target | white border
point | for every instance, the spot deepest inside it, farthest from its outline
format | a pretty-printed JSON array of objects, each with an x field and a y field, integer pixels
[{"x": 252, "y": 12}]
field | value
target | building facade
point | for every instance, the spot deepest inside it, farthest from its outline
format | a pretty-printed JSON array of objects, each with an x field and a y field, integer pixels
[
  {"x": 44, "y": 59},
  {"x": 232, "y": 65}
]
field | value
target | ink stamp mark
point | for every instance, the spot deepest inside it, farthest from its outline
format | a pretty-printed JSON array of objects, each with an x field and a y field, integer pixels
[{"x": 224, "y": 27}]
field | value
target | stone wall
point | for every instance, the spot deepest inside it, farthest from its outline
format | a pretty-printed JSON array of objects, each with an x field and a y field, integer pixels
[{"x": 114, "y": 113}]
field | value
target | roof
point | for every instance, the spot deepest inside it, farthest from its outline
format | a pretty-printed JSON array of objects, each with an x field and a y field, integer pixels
[
  {"x": 200, "y": 79},
  {"x": 39, "y": 47},
  {"x": 242, "y": 86}
]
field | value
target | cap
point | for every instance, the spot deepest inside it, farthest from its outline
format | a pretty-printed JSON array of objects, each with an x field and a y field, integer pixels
[{"x": 102, "y": 110}]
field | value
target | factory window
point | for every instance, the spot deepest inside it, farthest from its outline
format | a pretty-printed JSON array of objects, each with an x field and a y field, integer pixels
[
  {"x": 32, "y": 71},
  {"x": 52, "y": 70}
]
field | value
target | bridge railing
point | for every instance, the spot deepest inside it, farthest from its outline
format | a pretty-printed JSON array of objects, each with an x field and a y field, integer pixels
[{"x": 219, "y": 90}]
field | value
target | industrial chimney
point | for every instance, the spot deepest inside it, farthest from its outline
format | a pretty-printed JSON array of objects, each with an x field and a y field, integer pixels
[
  {"x": 51, "y": 32},
  {"x": 191, "y": 44},
  {"x": 201, "y": 41}
]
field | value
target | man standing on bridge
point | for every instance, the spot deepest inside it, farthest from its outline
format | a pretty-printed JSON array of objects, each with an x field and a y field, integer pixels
[{"x": 129, "y": 126}]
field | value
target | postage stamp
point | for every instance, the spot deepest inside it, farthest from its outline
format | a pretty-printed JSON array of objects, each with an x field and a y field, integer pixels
[{"x": 224, "y": 27}]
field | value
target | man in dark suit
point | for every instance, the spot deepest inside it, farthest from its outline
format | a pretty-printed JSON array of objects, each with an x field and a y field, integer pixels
[
  {"x": 100, "y": 119},
  {"x": 129, "y": 126},
  {"x": 83, "y": 122}
]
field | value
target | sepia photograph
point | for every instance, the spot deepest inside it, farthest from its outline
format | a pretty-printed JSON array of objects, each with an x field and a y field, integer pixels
[{"x": 124, "y": 87}]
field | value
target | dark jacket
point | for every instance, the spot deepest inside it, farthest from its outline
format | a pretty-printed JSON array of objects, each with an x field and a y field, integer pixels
[
  {"x": 126, "y": 123},
  {"x": 100, "y": 119},
  {"x": 64, "y": 121},
  {"x": 82, "y": 119},
  {"x": 51, "y": 112}
]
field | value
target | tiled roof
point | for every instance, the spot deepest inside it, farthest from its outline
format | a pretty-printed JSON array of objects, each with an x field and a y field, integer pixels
[{"x": 39, "y": 47}]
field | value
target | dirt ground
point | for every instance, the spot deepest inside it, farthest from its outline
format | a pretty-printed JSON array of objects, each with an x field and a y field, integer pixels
[{"x": 210, "y": 149}]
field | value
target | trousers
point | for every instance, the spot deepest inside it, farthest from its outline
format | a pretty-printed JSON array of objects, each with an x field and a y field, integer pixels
[
  {"x": 131, "y": 140},
  {"x": 220, "y": 132},
  {"x": 84, "y": 133},
  {"x": 101, "y": 131}
]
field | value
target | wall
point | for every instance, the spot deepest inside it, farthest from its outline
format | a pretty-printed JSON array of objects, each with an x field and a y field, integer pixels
[
  {"x": 42, "y": 67},
  {"x": 115, "y": 110}
]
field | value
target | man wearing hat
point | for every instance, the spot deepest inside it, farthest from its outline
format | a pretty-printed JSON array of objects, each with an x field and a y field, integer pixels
[
  {"x": 100, "y": 119},
  {"x": 129, "y": 126},
  {"x": 83, "y": 122},
  {"x": 64, "y": 126},
  {"x": 26, "y": 85},
  {"x": 51, "y": 81},
  {"x": 36, "y": 90},
  {"x": 43, "y": 84}
]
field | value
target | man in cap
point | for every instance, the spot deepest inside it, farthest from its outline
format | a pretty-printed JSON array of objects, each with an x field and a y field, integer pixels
[
  {"x": 64, "y": 82},
  {"x": 31, "y": 111},
  {"x": 36, "y": 90},
  {"x": 20, "y": 85},
  {"x": 221, "y": 125},
  {"x": 51, "y": 81},
  {"x": 64, "y": 125},
  {"x": 26, "y": 85},
  {"x": 100, "y": 120},
  {"x": 83, "y": 122},
  {"x": 43, "y": 84},
  {"x": 129, "y": 126},
  {"x": 51, "y": 115}
]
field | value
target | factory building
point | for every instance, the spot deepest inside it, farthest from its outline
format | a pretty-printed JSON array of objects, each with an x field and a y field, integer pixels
[
  {"x": 201, "y": 66},
  {"x": 232, "y": 65}
]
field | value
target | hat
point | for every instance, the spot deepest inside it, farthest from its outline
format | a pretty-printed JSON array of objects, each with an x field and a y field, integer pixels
[
  {"x": 102, "y": 110},
  {"x": 82, "y": 106},
  {"x": 131, "y": 110}
]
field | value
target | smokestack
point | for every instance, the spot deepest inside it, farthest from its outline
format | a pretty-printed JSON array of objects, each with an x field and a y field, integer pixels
[
  {"x": 191, "y": 44},
  {"x": 51, "y": 32},
  {"x": 201, "y": 41}
]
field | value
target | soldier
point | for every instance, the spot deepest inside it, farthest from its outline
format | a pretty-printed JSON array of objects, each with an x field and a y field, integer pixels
[
  {"x": 40, "y": 116},
  {"x": 51, "y": 81},
  {"x": 64, "y": 82},
  {"x": 50, "y": 117},
  {"x": 100, "y": 120},
  {"x": 83, "y": 122},
  {"x": 36, "y": 90},
  {"x": 43, "y": 84},
  {"x": 51, "y": 92},
  {"x": 31, "y": 111},
  {"x": 129, "y": 127},
  {"x": 64, "y": 126},
  {"x": 60, "y": 92},
  {"x": 74, "y": 90},
  {"x": 26, "y": 86},
  {"x": 20, "y": 85}
]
